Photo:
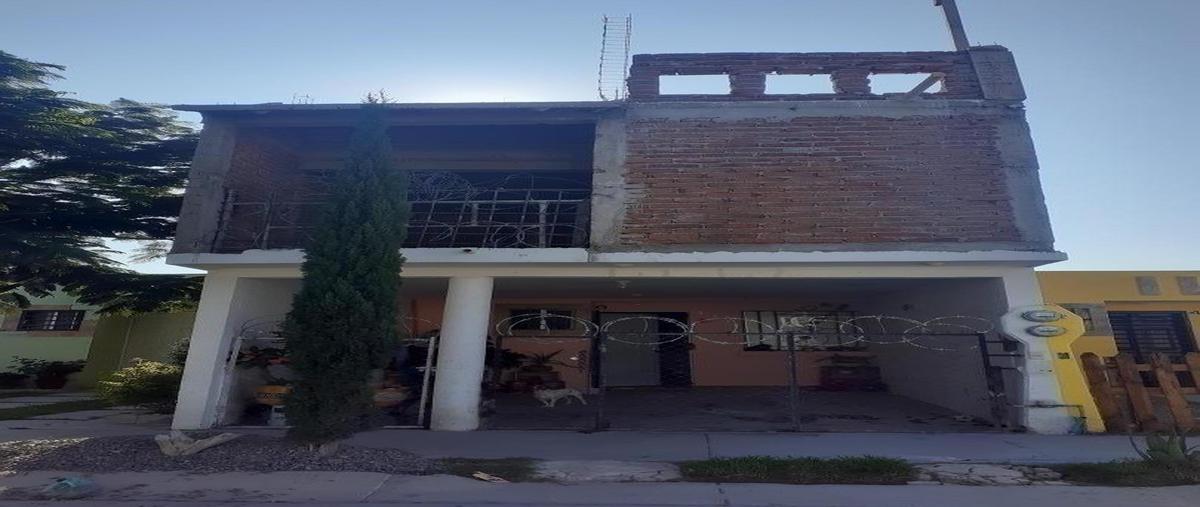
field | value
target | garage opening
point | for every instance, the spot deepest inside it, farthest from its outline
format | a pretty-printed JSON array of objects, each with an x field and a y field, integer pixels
[{"x": 842, "y": 362}]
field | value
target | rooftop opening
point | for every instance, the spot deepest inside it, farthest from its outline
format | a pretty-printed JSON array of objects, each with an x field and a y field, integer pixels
[
  {"x": 706, "y": 84},
  {"x": 798, "y": 84},
  {"x": 903, "y": 83}
]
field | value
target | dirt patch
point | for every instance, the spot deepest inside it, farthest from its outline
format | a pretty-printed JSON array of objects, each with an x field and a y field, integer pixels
[
  {"x": 251, "y": 453},
  {"x": 509, "y": 469}
]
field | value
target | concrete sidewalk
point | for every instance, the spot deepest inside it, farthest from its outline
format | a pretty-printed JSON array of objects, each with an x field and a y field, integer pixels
[
  {"x": 641, "y": 445},
  {"x": 678, "y": 446},
  {"x": 338, "y": 488},
  {"x": 30, "y": 398},
  {"x": 117, "y": 421}
]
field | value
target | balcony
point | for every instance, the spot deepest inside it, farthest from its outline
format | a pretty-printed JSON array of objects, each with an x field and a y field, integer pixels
[{"x": 448, "y": 210}]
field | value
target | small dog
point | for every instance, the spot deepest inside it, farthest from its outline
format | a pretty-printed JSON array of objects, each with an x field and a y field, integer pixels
[{"x": 550, "y": 397}]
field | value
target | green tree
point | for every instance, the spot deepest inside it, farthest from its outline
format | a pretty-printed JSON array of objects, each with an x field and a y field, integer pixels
[
  {"x": 73, "y": 174},
  {"x": 343, "y": 321}
]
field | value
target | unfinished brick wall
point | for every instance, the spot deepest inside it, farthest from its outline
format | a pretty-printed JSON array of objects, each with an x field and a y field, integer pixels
[
  {"x": 260, "y": 166},
  {"x": 815, "y": 180},
  {"x": 849, "y": 72},
  {"x": 262, "y": 172}
]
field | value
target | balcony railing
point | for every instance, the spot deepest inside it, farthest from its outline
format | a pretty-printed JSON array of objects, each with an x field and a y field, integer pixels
[{"x": 447, "y": 211}]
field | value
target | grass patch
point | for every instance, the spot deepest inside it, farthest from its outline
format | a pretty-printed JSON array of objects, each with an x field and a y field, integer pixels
[
  {"x": 51, "y": 408},
  {"x": 844, "y": 470},
  {"x": 509, "y": 469},
  {"x": 1131, "y": 473}
]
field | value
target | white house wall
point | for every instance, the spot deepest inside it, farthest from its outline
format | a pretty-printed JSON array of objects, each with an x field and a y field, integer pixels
[
  {"x": 227, "y": 302},
  {"x": 952, "y": 378}
]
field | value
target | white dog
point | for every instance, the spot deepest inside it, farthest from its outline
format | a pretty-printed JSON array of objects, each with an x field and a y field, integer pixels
[{"x": 550, "y": 397}]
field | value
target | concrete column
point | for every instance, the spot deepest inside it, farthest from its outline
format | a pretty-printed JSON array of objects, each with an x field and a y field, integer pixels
[
  {"x": 609, "y": 193},
  {"x": 747, "y": 84},
  {"x": 851, "y": 82},
  {"x": 997, "y": 73},
  {"x": 1042, "y": 396},
  {"x": 461, "y": 351},
  {"x": 205, "y": 379}
]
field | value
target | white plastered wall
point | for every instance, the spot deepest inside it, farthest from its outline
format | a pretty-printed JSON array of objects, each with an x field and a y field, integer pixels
[
  {"x": 944, "y": 371},
  {"x": 227, "y": 302}
]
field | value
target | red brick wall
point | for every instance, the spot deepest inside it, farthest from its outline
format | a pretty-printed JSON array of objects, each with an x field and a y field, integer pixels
[
  {"x": 261, "y": 170},
  {"x": 260, "y": 166},
  {"x": 815, "y": 180}
]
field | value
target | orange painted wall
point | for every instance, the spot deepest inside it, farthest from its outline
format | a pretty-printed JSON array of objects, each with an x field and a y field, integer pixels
[{"x": 713, "y": 364}]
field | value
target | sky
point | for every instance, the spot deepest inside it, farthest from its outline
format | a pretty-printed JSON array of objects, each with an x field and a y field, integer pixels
[{"x": 1111, "y": 83}]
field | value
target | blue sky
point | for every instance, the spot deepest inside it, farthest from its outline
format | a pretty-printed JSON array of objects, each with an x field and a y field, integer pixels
[{"x": 1111, "y": 83}]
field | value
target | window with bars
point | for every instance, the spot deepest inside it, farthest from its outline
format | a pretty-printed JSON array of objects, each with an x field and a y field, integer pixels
[
  {"x": 1085, "y": 313},
  {"x": 50, "y": 320},
  {"x": 770, "y": 330},
  {"x": 1141, "y": 334},
  {"x": 1093, "y": 315}
]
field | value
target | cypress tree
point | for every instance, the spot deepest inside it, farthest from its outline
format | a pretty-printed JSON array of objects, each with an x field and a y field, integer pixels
[{"x": 343, "y": 321}]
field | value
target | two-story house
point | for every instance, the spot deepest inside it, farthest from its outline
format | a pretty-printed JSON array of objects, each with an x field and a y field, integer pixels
[{"x": 727, "y": 216}]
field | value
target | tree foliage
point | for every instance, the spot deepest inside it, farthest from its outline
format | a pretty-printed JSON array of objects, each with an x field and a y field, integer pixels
[
  {"x": 73, "y": 174},
  {"x": 343, "y": 321}
]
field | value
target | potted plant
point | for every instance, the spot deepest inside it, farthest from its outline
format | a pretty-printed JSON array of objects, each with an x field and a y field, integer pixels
[
  {"x": 260, "y": 357},
  {"x": 48, "y": 374},
  {"x": 273, "y": 393},
  {"x": 273, "y": 363},
  {"x": 509, "y": 360},
  {"x": 538, "y": 369},
  {"x": 540, "y": 362}
]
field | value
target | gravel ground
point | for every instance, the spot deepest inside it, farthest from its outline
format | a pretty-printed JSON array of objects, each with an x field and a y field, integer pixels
[{"x": 251, "y": 453}]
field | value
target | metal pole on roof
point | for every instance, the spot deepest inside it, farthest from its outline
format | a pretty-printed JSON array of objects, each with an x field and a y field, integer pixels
[{"x": 954, "y": 22}]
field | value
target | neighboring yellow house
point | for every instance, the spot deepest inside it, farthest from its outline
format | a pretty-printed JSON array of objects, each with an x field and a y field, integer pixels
[
  {"x": 120, "y": 339},
  {"x": 58, "y": 328},
  {"x": 1131, "y": 312},
  {"x": 54, "y": 328},
  {"x": 1138, "y": 312}
]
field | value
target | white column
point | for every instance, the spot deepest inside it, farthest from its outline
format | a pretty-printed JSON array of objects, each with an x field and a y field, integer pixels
[
  {"x": 461, "y": 351},
  {"x": 1042, "y": 396},
  {"x": 205, "y": 379}
]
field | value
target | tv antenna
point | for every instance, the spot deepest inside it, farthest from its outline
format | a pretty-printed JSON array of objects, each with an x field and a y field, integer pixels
[{"x": 614, "y": 57}]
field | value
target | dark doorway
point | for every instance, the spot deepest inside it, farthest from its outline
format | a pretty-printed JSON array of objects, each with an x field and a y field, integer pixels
[
  {"x": 674, "y": 355},
  {"x": 646, "y": 349}
]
